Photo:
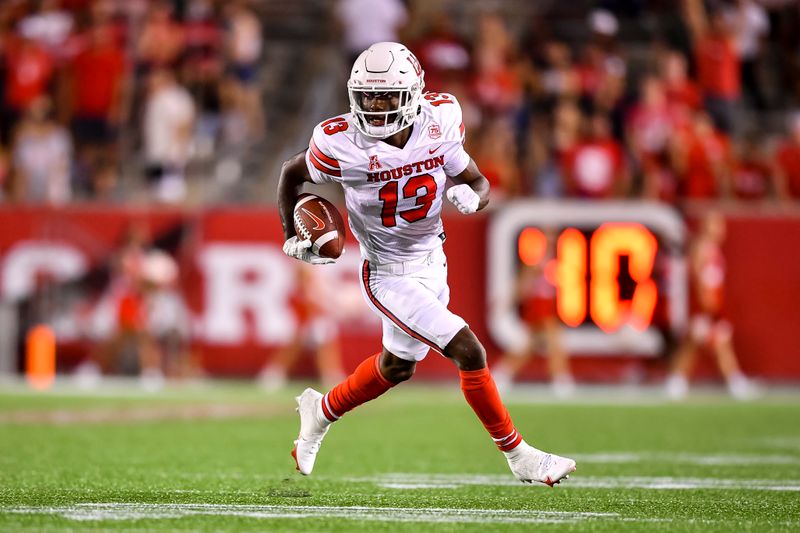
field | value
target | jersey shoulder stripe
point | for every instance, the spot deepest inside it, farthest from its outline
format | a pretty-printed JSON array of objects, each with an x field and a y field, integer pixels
[
  {"x": 321, "y": 156},
  {"x": 323, "y": 163}
]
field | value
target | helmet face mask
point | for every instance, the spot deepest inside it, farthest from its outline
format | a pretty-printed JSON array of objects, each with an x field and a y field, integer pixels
[{"x": 385, "y": 88}]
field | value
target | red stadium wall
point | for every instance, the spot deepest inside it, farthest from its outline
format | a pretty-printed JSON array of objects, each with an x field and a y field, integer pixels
[{"x": 763, "y": 255}]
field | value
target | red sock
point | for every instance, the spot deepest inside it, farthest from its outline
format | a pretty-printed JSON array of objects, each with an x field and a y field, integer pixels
[
  {"x": 364, "y": 384},
  {"x": 481, "y": 394}
]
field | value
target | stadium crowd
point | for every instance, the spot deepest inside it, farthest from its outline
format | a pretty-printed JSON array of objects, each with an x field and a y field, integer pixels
[
  {"x": 684, "y": 118},
  {"x": 691, "y": 115},
  {"x": 83, "y": 82}
]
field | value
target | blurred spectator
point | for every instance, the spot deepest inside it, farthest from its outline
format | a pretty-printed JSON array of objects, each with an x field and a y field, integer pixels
[
  {"x": 550, "y": 144},
  {"x": 787, "y": 162},
  {"x": 234, "y": 124},
  {"x": 650, "y": 125},
  {"x": 317, "y": 331},
  {"x": 369, "y": 21},
  {"x": 717, "y": 61},
  {"x": 50, "y": 27},
  {"x": 751, "y": 175},
  {"x": 535, "y": 294},
  {"x": 169, "y": 117},
  {"x": 202, "y": 69},
  {"x": 168, "y": 319},
  {"x": 105, "y": 181},
  {"x": 161, "y": 40},
  {"x": 42, "y": 155},
  {"x": 29, "y": 71},
  {"x": 496, "y": 84},
  {"x": 244, "y": 43},
  {"x": 681, "y": 90},
  {"x": 752, "y": 24},
  {"x": 444, "y": 53},
  {"x": 595, "y": 167},
  {"x": 97, "y": 81},
  {"x": 702, "y": 160},
  {"x": 558, "y": 77},
  {"x": 708, "y": 327},
  {"x": 496, "y": 155},
  {"x": 131, "y": 284},
  {"x": 602, "y": 70}
]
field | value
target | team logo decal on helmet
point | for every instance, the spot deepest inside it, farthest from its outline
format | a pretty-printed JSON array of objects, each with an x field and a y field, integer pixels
[{"x": 385, "y": 69}]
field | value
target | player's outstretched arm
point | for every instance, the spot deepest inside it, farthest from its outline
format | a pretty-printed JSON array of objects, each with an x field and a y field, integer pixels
[{"x": 471, "y": 190}]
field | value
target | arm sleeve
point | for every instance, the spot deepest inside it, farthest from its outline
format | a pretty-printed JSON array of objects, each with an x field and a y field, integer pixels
[{"x": 323, "y": 167}]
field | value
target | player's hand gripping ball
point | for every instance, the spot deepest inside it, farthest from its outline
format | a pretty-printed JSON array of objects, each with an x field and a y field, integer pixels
[{"x": 320, "y": 231}]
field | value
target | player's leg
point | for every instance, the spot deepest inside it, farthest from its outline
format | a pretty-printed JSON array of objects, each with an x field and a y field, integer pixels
[
  {"x": 373, "y": 377},
  {"x": 722, "y": 345},
  {"x": 327, "y": 351},
  {"x": 557, "y": 360},
  {"x": 273, "y": 375},
  {"x": 677, "y": 384},
  {"x": 526, "y": 462},
  {"x": 509, "y": 365}
]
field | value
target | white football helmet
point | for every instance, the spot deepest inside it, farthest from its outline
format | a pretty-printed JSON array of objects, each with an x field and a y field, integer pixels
[{"x": 386, "y": 67}]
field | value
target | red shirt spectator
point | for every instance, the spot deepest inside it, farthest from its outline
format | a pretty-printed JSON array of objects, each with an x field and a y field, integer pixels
[
  {"x": 750, "y": 180},
  {"x": 97, "y": 75},
  {"x": 680, "y": 89},
  {"x": 705, "y": 154},
  {"x": 595, "y": 166},
  {"x": 592, "y": 168},
  {"x": 29, "y": 71},
  {"x": 751, "y": 175},
  {"x": 718, "y": 67},
  {"x": 445, "y": 56}
]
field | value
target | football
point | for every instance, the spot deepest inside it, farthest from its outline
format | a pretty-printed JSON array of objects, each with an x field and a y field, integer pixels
[{"x": 317, "y": 219}]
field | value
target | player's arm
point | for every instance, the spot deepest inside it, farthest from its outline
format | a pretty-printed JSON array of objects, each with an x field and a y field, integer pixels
[
  {"x": 471, "y": 190},
  {"x": 294, "y": 173}
]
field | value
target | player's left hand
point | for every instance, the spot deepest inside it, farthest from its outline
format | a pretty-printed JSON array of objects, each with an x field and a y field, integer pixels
[
  {"x": 464, "y": 198},
  {"x": 301, "y": 250}
]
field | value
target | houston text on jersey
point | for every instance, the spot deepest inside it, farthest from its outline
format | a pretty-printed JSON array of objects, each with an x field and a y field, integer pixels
[{"x": 406, "y": 170}]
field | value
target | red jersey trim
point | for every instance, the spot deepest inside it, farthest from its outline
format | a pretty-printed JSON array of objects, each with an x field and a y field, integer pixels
[
  {"x": 322, "y": 157},
  {"x": 322, "y": 168},
  {"x": 406, "y": 329}
]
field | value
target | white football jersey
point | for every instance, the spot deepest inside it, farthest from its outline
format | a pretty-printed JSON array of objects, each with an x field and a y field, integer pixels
[{"x": 393, "y": 195}]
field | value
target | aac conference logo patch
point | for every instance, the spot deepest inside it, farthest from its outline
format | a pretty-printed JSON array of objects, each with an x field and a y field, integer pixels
[{"x": 434, "y": 131}]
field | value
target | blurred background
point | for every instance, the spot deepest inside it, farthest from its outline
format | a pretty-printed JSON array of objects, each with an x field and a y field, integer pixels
[{"x": 644, "y": 157}]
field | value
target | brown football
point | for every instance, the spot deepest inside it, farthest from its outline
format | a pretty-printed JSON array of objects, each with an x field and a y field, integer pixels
[{"x": 317, "y": 219}]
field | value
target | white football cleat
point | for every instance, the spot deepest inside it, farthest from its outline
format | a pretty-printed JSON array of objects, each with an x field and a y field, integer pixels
[
  {"x": 312, "y": 431},
  {"x": 529, "y": 464}
]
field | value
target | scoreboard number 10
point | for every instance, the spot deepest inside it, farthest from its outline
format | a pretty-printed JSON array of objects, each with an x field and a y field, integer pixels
[{"x": 607, "y": 283}]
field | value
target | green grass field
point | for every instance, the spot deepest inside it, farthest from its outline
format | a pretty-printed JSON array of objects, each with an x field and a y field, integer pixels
[{"x": 216, "y": 457}]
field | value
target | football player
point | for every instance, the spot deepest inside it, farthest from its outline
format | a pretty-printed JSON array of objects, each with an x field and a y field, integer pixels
[{"x": 392, "y": 155}]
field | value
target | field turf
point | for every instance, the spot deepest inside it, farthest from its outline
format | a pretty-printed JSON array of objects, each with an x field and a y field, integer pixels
[{"x": 216, "y": 458}]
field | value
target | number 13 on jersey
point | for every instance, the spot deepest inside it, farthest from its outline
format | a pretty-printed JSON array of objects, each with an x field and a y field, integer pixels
[{"x": 422, "y": 187}]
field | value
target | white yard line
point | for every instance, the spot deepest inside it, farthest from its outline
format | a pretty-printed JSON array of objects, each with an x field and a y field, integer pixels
[
  {"x": 138, "y": 511},
  {"x": 135, "y": 414},
  {"x": 453, "y": 481}
]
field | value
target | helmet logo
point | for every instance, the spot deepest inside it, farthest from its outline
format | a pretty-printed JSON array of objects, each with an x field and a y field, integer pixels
[
  {"x": 434, "y": 131},
  {"x": 415, "y": 64},
  {"x": 374, "y": 164}
]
